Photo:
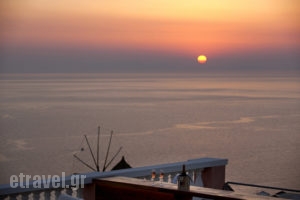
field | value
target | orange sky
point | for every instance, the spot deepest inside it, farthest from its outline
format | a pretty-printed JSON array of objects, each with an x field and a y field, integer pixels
[{"x": 189, "y": 27}]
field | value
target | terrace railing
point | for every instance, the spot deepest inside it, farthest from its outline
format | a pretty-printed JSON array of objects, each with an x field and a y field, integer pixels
[{"x": 207, "y": 172}]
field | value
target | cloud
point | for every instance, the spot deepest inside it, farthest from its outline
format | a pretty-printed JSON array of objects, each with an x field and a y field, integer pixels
[
  {"x": 19, "y": 144},
  {"x": 3, "y": 158},
  {"x": 222, "y": 124},
  {"x": 7, "y": 116}
]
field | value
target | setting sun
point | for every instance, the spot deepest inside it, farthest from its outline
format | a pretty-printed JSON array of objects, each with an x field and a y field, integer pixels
[{"x": 202, "y": 59}]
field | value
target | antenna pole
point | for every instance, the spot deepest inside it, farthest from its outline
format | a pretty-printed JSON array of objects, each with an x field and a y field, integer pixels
[
  {"x": 90, "y": 150},
  {"x": 84, "y": 163},
  {"x": 111, "y": 133},
  {"x": 113, "y": 158},
  {"x": 97, "y": 165}
]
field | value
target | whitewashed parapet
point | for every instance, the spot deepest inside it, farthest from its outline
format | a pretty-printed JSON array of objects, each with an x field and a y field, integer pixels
[
  {"x": 6, "y": 192},
  {"x": 136, "y": 172}
]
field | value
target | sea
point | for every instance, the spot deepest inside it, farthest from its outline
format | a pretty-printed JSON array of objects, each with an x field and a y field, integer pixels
[{"x": 251, "y": 119}]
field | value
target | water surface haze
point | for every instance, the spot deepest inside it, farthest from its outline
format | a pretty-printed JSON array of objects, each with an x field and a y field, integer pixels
[{"x": 251, "y": 119}]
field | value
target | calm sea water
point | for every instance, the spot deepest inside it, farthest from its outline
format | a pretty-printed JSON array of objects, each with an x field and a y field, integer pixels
[{"x": 251, "y": 119}]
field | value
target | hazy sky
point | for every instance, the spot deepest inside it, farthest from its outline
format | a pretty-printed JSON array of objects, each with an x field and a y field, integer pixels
[{"x": 141, "y": 35}]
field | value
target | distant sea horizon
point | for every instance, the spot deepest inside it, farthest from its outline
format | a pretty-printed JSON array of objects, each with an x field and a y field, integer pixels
[{"x": 251, "y": 118}]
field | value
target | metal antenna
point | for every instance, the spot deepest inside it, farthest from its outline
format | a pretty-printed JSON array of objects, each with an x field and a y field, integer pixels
[
  {"x": 91, "y": 151},
  {"x": 98, "y": 137},
  {"x": 113, "y": 158},
  {"x": 84, "y": 163},
  {"x": 111, "y": 133},
  {"x": 96, "y": 162}
]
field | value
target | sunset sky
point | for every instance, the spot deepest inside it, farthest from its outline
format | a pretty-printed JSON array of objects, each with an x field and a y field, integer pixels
[{"x": 100, "y": 36}]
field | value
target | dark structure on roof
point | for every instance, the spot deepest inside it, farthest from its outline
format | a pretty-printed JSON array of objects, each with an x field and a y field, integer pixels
[{"x": 122, "y": 164}]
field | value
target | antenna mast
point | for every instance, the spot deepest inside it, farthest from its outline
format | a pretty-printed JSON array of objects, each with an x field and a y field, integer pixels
[
  {"x": 98, "y": 137},
  {"x": 96, "y": 162},
  {"x": 87, "y": 141},
  {"x": 111, "y": 133}
]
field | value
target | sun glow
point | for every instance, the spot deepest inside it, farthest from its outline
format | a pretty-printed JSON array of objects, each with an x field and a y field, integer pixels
[
  {"x": 202, "y": 59},
  {"x": 176, "y": 26}
]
